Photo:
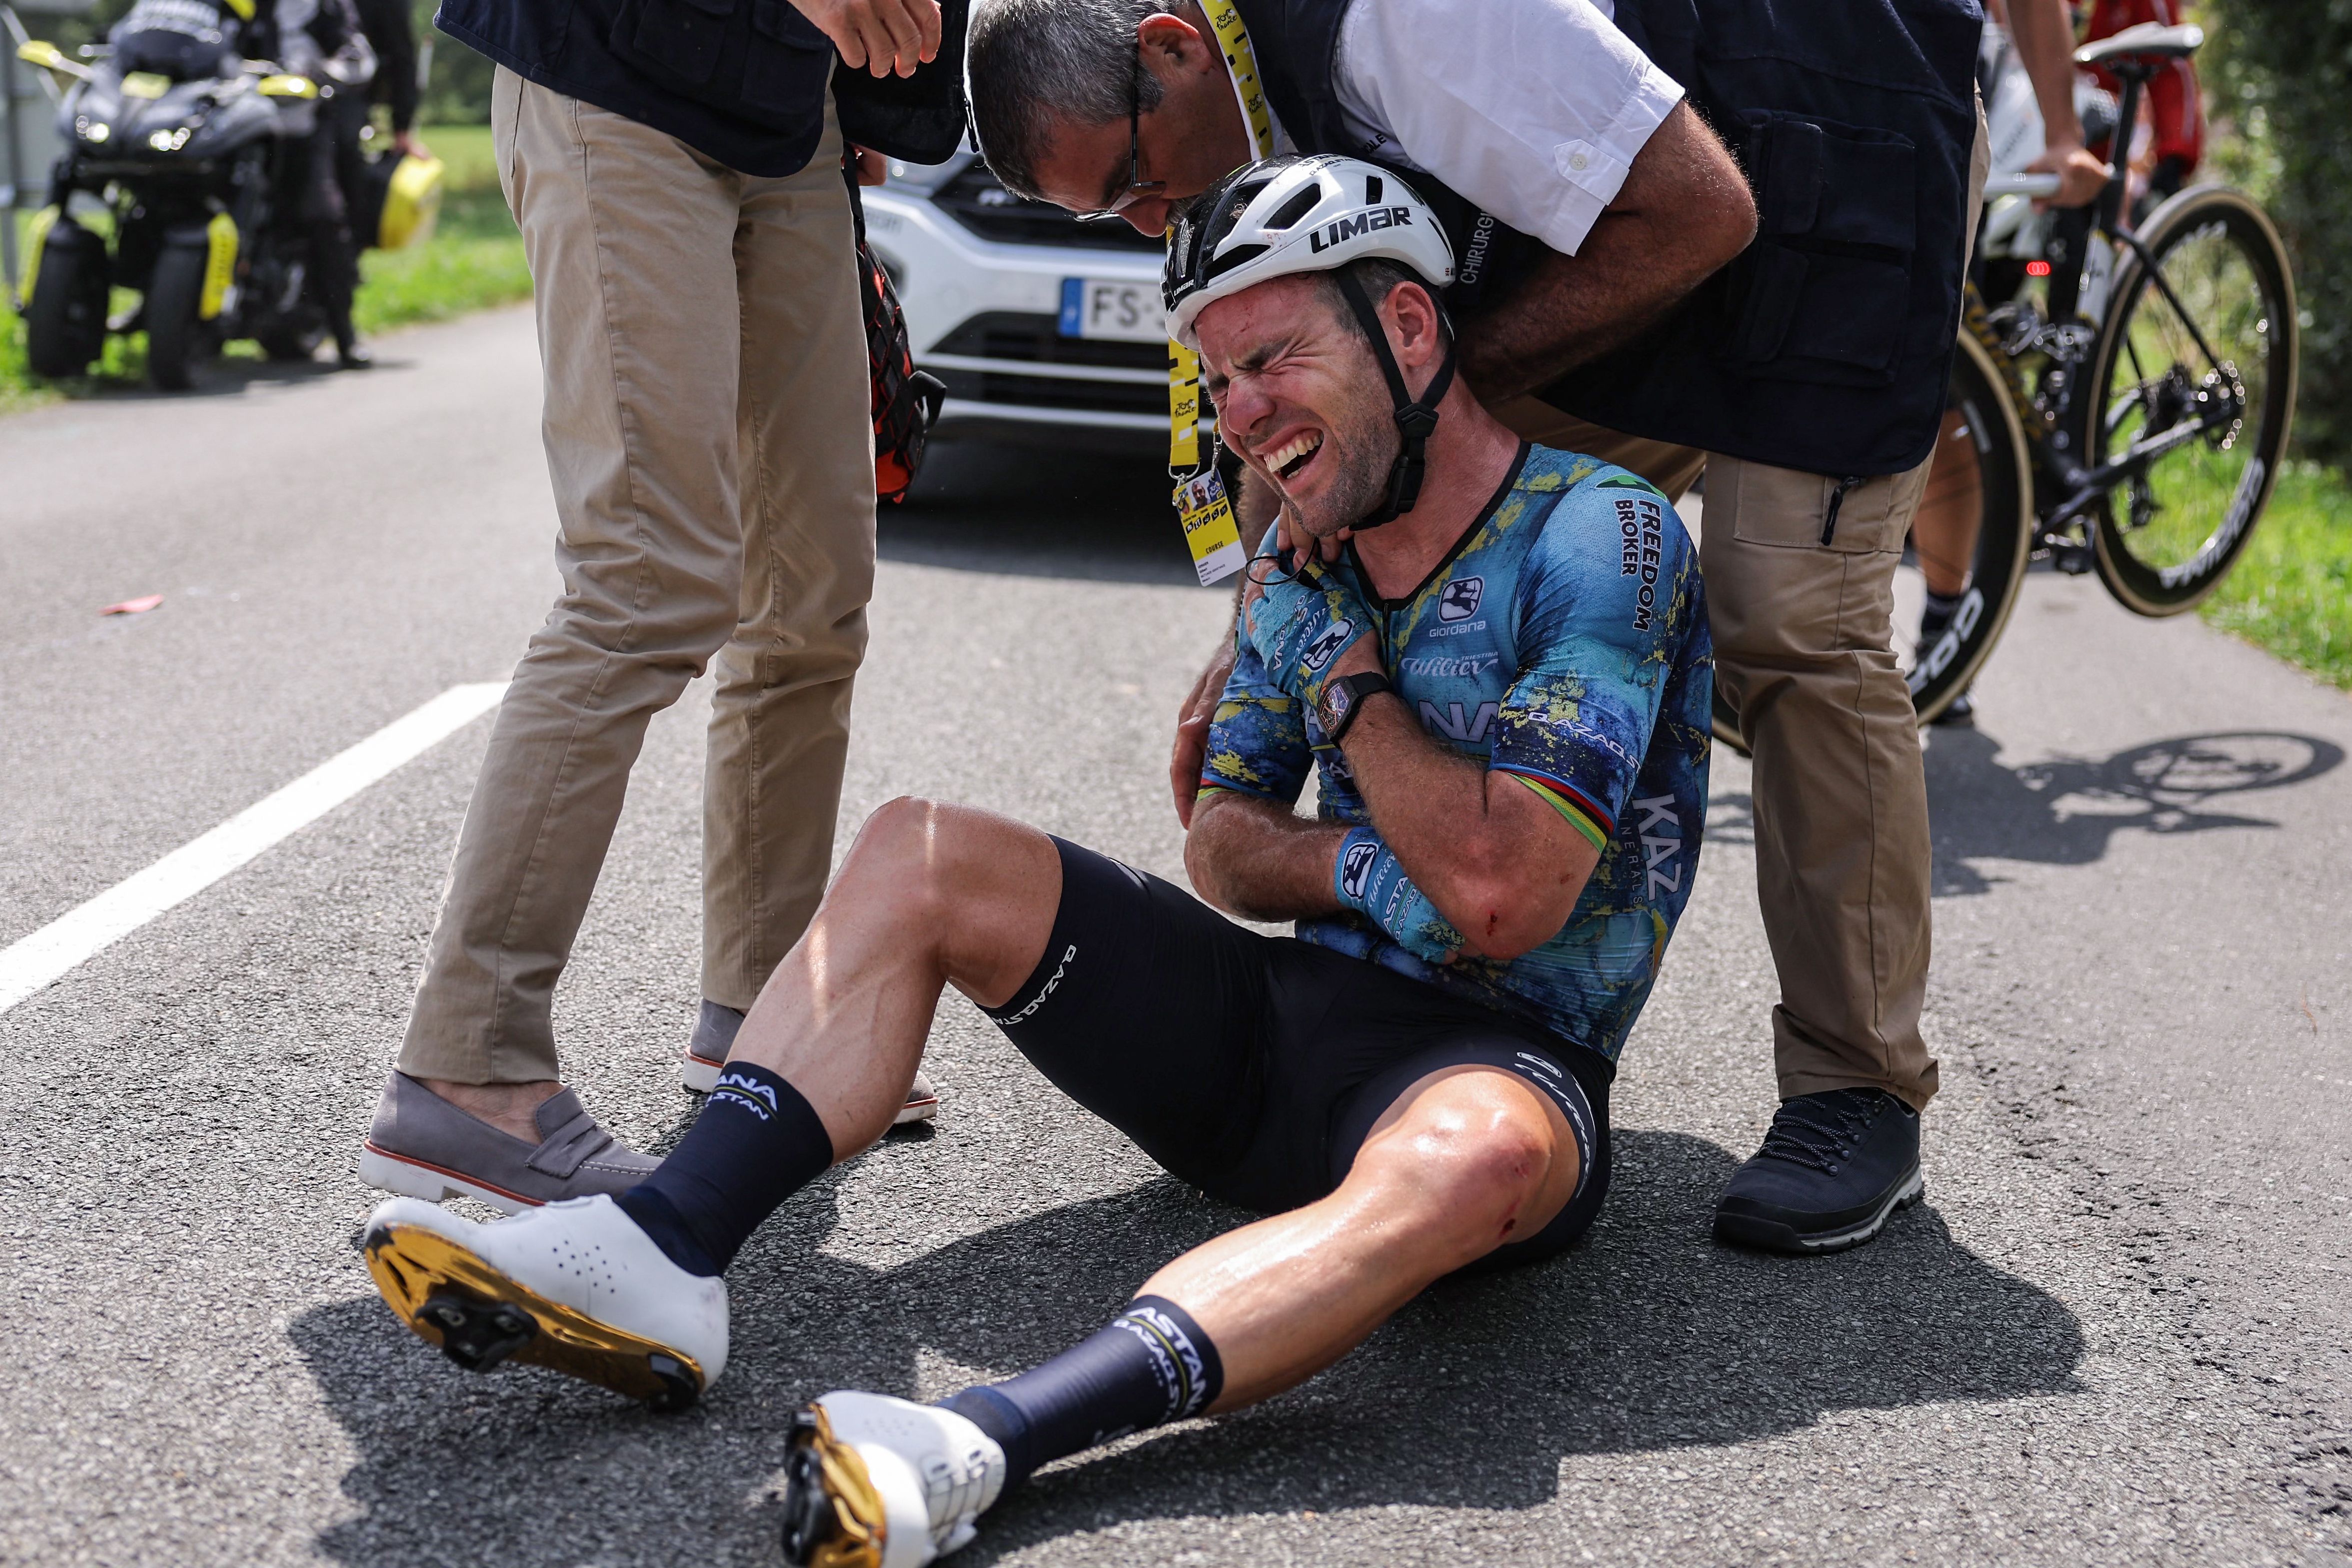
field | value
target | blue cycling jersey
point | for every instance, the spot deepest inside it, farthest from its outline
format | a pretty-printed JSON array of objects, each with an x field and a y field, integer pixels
[{"x": 1564, "y": 643}]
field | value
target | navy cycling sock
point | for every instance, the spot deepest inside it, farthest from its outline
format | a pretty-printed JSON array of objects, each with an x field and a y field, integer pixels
[
  {"x": 1937, "y": 614},
  {"x": 756, "y": 1143},
  {"x": 1151, "y": 1365}
]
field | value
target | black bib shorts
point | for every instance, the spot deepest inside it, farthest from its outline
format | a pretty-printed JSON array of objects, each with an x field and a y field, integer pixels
[{"x": 1253, "y": 1067}]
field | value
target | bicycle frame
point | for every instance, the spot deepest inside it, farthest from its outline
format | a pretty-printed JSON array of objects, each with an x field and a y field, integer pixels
[{"x": 2066, "y": 489}]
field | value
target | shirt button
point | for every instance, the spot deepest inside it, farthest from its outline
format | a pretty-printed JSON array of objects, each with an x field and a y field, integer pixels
[{"x": 1578, "y": 162}]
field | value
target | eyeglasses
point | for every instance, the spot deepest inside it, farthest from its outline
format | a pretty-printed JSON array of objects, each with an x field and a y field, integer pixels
[{"x": 1137, "y": 187}]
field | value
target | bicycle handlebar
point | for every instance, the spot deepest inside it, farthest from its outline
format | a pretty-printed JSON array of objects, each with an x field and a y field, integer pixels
[{"x": 2021, "y": 186}]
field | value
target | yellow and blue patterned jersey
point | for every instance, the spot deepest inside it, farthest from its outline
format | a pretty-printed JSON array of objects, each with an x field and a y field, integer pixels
[{"x": 1564, "y": 644}]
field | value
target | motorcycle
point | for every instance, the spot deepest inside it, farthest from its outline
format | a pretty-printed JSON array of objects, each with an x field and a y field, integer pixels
[{"x": 188, "y": 150}]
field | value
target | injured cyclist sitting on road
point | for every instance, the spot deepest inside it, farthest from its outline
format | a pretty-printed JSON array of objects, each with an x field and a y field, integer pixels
[{"x": 1502, "y": 674}]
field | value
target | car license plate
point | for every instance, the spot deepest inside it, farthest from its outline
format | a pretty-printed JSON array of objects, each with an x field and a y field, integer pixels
[{"x": 1108, "y": 308}]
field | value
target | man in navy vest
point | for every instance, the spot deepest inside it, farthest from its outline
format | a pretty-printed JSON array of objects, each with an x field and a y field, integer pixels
[
  {"x": 1791, "y": 330},
  {"x": 678, "y": 174}
]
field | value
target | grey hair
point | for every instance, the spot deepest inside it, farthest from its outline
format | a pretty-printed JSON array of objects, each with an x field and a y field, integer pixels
[{"x": 1034, "y": 66}]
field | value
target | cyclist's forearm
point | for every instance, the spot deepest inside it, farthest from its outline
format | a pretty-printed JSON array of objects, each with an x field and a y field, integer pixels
[{"x": 1259, "y": 860}]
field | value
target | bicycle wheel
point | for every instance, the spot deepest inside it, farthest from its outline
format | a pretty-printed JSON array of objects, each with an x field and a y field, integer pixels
[
  {"x": 1980, "y": 461},
  {"x": 2204, "y": 376}
]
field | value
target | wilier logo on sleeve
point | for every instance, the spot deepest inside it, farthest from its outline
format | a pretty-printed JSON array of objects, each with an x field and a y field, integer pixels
[
  {"x": 1356, "y": 867},
  {"x": 1459, "y": 601}
]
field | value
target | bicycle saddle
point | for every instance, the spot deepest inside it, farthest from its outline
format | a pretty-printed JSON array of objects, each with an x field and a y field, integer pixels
[{"x": 2146, "y": 41}]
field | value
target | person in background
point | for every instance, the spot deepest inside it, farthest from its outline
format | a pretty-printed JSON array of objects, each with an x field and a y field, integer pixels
[{"x": 394, "y": 35}]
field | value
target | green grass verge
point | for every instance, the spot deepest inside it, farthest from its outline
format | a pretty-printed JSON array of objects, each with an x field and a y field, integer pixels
[
  {"x": 474, "y": 260},
  {"x": 2291, "y": 591}
]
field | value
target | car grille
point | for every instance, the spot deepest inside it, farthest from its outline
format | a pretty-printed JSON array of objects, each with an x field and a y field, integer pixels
[
  {"x": 975, "y": 200},
  {"x": 1018, "y": 336}
]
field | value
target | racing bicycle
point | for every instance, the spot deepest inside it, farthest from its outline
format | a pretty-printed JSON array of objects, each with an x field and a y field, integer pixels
[{"x": 2130, "y": 423}]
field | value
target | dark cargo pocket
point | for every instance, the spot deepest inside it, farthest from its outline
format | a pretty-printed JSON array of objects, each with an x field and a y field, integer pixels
[
  {"x": 1825, "y": 294},
  {"x": 787, "y": 61},
  {"x": 684, "y": 39}
]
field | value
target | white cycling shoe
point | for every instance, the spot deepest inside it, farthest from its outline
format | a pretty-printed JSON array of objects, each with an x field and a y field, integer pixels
[
  {"x": 575, "y": 1286},
  {"x": 877, "y": 1482}
]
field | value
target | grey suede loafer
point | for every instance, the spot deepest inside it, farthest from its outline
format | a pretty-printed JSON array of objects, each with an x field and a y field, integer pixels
[{"x": 423, "y": 1147}]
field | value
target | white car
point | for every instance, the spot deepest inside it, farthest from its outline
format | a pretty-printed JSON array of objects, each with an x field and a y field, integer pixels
[{"x": 1047, "y": 332}]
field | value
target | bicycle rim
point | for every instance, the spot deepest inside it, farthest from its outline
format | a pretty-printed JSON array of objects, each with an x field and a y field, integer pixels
[
  {"x": 2166, "y": 538},
  {"x": 1980, "y": 455}
]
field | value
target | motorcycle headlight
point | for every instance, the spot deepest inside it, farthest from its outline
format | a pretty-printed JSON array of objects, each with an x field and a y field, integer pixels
[{"x": 93, "y": 130}]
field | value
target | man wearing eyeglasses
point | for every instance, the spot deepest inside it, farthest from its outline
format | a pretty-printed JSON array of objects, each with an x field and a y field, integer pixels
[{"x": 1594, "y": 211}]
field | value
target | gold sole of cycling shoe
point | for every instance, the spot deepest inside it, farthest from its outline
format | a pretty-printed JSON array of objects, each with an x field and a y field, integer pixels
[
  {"x": 833, "y": 1513},
  {"x": 479, "y": 1317}
]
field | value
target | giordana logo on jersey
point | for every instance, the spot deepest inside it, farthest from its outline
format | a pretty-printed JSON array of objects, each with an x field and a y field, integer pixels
[
  {"x": 1339, "y": 230},
  {"x": 1459, "y": 599},
  {"x": 1325, "y": 648},
  {"x": 1356, "y": 867}
]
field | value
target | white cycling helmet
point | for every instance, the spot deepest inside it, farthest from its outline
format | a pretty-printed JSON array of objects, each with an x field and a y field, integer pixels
[
  {"x": 1294, "y": 214},
  {"x": 1317, "y": 214}
]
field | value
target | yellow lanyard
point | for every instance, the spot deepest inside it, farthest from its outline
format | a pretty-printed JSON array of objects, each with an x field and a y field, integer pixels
[
  {"x": 1184, "y": 364},
  {"x": 1202, "y": 508}
]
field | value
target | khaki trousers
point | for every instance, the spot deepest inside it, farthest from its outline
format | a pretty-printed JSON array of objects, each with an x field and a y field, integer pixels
[
  {"x": 708, "y": 439},
  {"x": 1804, "y": 637}
]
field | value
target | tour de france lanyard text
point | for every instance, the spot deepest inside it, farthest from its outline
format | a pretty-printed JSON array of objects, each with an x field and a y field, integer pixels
[{"x": 1202, "y": 505}]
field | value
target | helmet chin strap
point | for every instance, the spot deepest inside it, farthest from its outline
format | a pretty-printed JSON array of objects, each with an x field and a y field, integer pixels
[{"x": 1416, "y": 421}]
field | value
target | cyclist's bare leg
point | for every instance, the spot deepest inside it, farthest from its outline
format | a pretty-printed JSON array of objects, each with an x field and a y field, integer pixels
[
  {"x": 930, "y": 895},
  {"x": 1465, "y": 1160},
  {"x": 1944, "y": 533}
]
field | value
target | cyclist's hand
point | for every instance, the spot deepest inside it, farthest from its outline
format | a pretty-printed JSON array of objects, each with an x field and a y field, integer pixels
[
  {"x": 1326, "y": 549},
  {"x": 1300, "y": 624},
  {"x": 2081, "y": 176},
  {"x": 1193, "y": 722},
  {"x": 883, "y": 35}
]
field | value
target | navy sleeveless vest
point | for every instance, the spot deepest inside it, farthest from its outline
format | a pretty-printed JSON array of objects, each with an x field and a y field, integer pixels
[{"x": 1825, "y": 346}]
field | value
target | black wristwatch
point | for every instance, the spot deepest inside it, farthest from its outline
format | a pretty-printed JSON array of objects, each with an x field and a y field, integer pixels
[{"x": 1342, "y": 695}]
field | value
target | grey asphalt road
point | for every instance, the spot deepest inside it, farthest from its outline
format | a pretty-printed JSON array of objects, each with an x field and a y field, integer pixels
[{"x": 2118, "y": 1331}]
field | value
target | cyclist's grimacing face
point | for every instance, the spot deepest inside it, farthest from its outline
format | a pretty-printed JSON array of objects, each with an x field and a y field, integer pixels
[{"x": 1301, "y": 399}]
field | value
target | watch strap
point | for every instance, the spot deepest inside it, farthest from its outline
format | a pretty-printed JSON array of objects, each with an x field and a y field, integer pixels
[{"x": 1357, "y": 688}]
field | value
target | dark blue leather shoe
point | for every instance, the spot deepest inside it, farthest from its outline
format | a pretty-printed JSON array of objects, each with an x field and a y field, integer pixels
[{"x": 1832, "y": 1170}]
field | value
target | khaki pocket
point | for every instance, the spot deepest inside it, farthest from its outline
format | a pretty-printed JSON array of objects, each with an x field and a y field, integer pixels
[{"x": 1787, "y": 507}]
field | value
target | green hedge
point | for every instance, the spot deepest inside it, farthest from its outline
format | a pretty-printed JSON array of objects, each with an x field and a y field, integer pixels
[{"x": 2280, "y": 76}]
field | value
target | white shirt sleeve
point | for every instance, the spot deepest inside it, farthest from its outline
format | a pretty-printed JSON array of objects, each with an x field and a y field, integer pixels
[{"x": 1532, "y": 108}]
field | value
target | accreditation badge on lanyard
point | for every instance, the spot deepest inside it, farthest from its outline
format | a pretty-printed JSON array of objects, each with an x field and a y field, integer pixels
[{"x": 1201, "y": 506}]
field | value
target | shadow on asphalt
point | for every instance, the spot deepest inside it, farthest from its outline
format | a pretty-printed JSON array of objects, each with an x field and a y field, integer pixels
[
  {"x": 1647, "y": 1338},
  {"x": 1091, "y": 516},
  {"x": 222, "y": 378},
  {"x": 2064, "y": 811}
]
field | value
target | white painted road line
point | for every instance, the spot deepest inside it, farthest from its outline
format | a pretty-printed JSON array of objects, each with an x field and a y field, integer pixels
[{"x": 32, "y": 963}]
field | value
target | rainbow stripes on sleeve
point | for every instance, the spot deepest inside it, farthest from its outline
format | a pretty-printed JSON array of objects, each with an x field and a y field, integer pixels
[{"x": 1585, "y": 814}]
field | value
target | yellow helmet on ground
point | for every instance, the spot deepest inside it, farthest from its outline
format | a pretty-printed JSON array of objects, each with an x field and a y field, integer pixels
[{"x": 411, "y": 203}]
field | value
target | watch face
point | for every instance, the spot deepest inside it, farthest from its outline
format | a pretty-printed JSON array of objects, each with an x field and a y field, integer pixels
[{"x": 1337, "y": 700}]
